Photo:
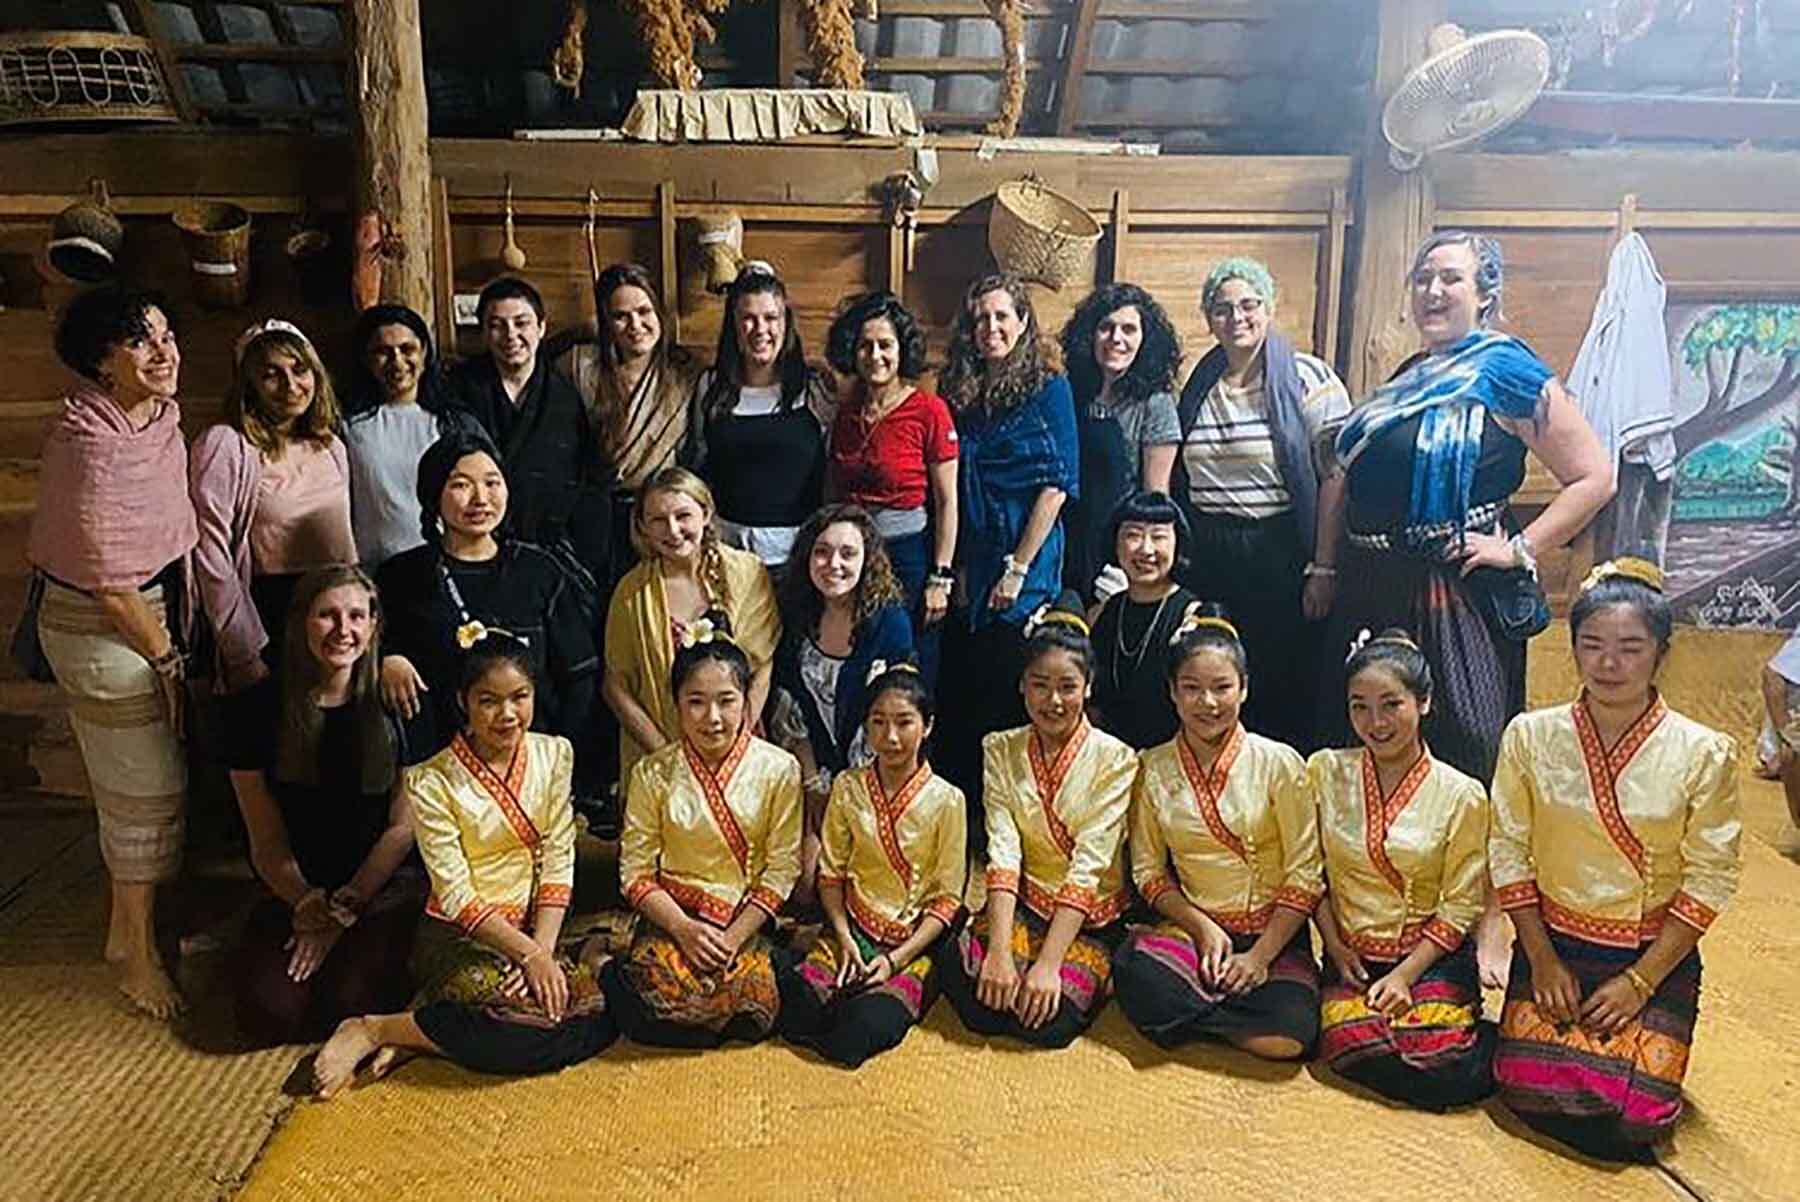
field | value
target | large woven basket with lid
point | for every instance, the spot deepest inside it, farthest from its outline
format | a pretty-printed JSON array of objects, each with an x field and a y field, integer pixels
[
  {"x": 1038, "y": 234},
  {"x": 48, "y": 76}
]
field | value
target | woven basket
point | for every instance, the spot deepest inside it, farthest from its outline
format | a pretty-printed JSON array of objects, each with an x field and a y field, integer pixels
[
  {"x": 217, "y": 236},
  {"x": 50, "y": 76},
  {"x": 1039, "y": 234}
]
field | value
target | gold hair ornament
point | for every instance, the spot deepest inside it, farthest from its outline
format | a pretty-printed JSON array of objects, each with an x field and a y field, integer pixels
[
  {"x": 1626, "y": 567},
  {"x": 1046, "y": 616}
]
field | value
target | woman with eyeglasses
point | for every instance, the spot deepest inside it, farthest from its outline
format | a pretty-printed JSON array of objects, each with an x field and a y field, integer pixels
[{"x": 1265, "y": 518}]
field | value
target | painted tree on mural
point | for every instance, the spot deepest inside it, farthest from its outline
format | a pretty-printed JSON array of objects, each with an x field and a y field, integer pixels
[{"x": 1720, "y": 346}]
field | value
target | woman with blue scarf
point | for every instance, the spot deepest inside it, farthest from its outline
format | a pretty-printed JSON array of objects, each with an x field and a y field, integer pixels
[
  {"x": 1019, "y": 461},
  {"x": 1432, "y": 460}
]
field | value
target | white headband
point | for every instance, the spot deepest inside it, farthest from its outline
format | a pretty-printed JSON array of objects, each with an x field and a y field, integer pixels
[{"x": 272, "y": 326}]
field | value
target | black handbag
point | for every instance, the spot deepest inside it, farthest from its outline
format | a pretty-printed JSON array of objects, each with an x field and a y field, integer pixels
[
  {"x": 1512, "y": 601},
  {"x": 27, "y": 649}
]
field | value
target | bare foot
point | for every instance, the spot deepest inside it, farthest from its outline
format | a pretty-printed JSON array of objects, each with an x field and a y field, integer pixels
[
  {"x": 148, "y": 988},
  {"x": 387, "y": 1060},
  {"x": 335, "y": 1065},
  {"x": 1493, "y": 949}
]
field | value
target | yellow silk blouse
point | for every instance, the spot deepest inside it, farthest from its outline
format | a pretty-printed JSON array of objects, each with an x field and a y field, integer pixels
[
  {"x": 1403, "y": 867},
  {"x": 714, "y": 841},
  {"x": 897, "y": 858},
  {"x": 640, "y": 637},
  {"x": 493, "y": 845},
  {"x": 1236, "y": 841},
  {"x": 1609, "y": 843},
  {"x": 1056, "y": 829}
]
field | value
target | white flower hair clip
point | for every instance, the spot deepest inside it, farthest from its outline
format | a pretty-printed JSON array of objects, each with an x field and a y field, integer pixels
[
  {"x": 881, "y": 668},
  {"x": 1358, "y": 643},
  {"x": 1035, "y": 622},
  {"x": 700, "y": 630}
]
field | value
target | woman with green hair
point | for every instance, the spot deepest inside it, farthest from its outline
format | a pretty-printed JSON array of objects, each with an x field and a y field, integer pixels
[{"x": 1265, "y": 516}]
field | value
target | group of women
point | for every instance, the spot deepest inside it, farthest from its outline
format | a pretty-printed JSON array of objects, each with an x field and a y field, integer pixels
[{"x": 401, "y": 600}]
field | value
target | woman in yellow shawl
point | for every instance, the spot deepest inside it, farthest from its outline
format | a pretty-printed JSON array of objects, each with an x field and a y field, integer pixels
[{"x": 684, "y": 574}]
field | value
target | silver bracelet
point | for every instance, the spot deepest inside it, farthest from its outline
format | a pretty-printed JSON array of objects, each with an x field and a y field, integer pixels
[
  {"x": 1522, "y": 555},
  {"x": 1319, "y": 569}
]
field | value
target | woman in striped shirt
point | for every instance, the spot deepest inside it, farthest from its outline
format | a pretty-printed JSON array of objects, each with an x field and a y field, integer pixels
[{"x": 1265, "y": 519}]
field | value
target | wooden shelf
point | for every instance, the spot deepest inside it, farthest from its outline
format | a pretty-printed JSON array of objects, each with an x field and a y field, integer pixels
[
  {"x": 958, "y": 120},
  {"x": 1034, "y": 9},
  {"x": 1176, "y": 10},
  {"x": 263, "y": 52},
  {"x": 947, "y": 66},
  {"x": 1173, "y": 66},
  {"x": 1156, "y": 121}
]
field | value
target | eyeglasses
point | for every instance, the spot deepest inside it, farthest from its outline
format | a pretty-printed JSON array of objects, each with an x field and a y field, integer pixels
[{"x": 1245, "y": 308}]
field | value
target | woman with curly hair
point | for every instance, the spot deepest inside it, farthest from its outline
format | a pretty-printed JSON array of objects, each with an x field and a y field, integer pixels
[
  {"x": 756, "y": 430},
  {"x": 893, "y": 447},
  {"x": 271, "y": 486},
  {"x": 841, "y": 612},
  {"x": 1122, "y": 352},
  {"x": 1020, "y": 462},
  {"x": 1265, "y": 517}
]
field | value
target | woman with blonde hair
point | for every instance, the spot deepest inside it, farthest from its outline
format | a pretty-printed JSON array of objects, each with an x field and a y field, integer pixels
[
  {"x": 271, "y": 486},
  {"x": 684, "y": 573}
]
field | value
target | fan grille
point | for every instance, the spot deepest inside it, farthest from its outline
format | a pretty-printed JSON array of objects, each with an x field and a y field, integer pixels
[{"x": 1467, "y": 92}]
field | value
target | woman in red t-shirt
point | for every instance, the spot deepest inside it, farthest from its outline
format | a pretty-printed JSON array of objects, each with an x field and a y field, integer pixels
[{"x": 892, "y": 450}]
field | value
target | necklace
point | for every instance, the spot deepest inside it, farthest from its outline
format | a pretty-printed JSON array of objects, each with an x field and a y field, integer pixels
[{"x": 1136, "y": 655}]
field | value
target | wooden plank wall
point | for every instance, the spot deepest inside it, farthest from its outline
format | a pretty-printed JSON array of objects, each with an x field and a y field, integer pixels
[{"x": 812, "y": 213}]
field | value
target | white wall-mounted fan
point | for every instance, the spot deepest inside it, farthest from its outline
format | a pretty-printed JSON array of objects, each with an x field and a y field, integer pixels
[{"x": 1468, "y": 88}]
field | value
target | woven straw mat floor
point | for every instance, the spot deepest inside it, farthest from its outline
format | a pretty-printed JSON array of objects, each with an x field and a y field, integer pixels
[
  {"x": 130, "y": 1112},
  {"x": 103, "y": 1105}
]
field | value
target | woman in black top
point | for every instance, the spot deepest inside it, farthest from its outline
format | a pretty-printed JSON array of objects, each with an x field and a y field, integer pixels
[
  {"x": 469, "y": 576},
  {"x": 315, "y": 766},
  {"x": 1149, "y": 541},
  {"x": 757, "y": 430}
]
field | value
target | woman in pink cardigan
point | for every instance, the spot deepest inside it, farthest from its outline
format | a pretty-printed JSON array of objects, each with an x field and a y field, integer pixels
[{"x": 271, "y": 487}]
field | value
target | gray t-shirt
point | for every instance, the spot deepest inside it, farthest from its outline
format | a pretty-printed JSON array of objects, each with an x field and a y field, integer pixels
[
  {"x": 385, "y": 447},
  {"x": 1152, "y": 422}
]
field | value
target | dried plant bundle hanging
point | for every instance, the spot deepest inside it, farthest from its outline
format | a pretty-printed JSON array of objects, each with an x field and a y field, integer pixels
[
  {"x": 1009, "y": 15},
  {"x": 831, "y": 41}
]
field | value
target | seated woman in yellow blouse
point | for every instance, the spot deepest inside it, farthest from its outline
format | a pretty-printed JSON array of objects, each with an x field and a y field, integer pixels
[
  {"x": 1056, "y": 794},
  {"x": 891, "y": 876},
  {"x": 1404, "y": 837},
  {"x": 1614, "y": 846},
  {"x": 683, "y": 575},
  {"x": 496, "y": 830},
  {"x": 1225, "y": 847},
  {"x": 710, "y": 851}
]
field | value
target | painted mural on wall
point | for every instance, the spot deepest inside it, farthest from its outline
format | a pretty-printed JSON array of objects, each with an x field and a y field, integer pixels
[{"x": 1731, "y": 543}]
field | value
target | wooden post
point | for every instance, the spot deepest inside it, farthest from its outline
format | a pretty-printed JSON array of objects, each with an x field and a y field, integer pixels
[
  {"x": 1325, "y": 339},
  {"x": 443, "y": 266},
  {"x": 393, "y": 142},
  {"x": 1396, "y": 209},
  {"x": 670, "y": 266},
  {"x": 1076, "y": 49},
  {"x": 1121, "y": 228}
]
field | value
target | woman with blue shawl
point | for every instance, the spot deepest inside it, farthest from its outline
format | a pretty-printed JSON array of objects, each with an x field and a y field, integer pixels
[
  {"x": 1432, "y": 459},
  {"x": 1020, "y": 460}
]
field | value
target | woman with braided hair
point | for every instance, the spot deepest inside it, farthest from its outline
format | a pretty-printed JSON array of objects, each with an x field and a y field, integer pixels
[{"x": 684, "y": 572}]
